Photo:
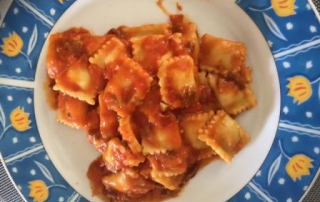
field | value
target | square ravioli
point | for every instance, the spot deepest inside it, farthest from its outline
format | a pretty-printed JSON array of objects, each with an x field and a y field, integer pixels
[
  {"x": 221, "y": 56},
  {"x": 128, "y": 86},
  {"x": 118, "y": 156},
  {"x": 128, "y": 181},
  {"x": 145, "y": 30},
  {"x": 151, "y": 51},
  {"x": 109, "y": 56},
  {"x": 64, "y": 49},
  {"x": 177, "y": 82},
  {"x": 232, "y": 98},
  {"x": 72, "y": 111},
  {"x": 81, "y": 81},
  {"x": 93, "y": 43},
  {"x": 191, "y": 124},
  {"x": 224, "y": 135},
  {"x": 157, "y": 138}
]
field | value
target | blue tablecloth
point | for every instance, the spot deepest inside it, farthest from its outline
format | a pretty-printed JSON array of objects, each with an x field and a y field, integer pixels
[{"x": 8, "y": 192}]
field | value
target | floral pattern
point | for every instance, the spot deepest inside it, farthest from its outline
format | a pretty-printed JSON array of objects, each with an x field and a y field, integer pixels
[
  {"x": 300, "y": 88},
  {"x": 293, "y": 160},
  {"x": 61, "y": 1},
  {"x": 299, "y": 165},
  {"x": 284, "y": 8},
  {"x": 12, "y": 45},
  {"x": 19, "y": 120},
  {"x": 38, "y": 191}
]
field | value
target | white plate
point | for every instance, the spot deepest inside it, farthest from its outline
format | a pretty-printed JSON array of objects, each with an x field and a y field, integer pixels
[{"x": 69, "y": 150}]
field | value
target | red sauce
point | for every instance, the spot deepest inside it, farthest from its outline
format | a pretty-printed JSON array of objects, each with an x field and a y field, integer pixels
[
  {"x": 155, "y": 48},
  {"x": 97, "y": 171},
  {"x": 163, "y": 8},
  {"x": 51, "y": 95},
  {"x": 64, "y": 49},
  {"x": 179, "y": 7},
  {"x": 72, "y": 110},
  {"x": 125, "y": 92},
  {"x": 108, "y": 121}
]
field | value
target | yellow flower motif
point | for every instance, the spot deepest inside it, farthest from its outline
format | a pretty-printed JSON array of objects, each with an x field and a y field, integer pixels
[
  {"x": 38, "y": 191},
  {"x": 12, "y": 45},
  {"x": 299, "y": 88},
  {"x": 20, "y": 120},
  {"x": 284, "y": 8},
  {"x": 298, "y": 166},
  {"x": 61, "y": 1}
]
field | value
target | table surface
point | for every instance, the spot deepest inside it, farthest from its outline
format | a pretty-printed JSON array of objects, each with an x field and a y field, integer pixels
[{"x": 8, "y": 193}]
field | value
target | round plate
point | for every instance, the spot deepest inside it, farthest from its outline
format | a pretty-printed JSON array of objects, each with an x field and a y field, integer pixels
[{"x": 48, "y": 161}]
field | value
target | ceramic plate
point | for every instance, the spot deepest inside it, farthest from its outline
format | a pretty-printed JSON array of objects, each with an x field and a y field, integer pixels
[{"x": 48, "y": 161}]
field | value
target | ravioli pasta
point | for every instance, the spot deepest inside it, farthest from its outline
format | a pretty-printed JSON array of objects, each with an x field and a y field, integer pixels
[{"x": 156, "y": 100}]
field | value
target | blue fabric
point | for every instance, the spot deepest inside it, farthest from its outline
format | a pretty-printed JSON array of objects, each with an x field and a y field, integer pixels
[{"x": 8, "y": 192}]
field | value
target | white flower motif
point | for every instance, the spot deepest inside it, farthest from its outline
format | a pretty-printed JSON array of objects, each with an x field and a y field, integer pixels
[
  {"x": 52, "y": 11},
  {"x": 24, "y": 29},
  {"x": 289, "y": 26},
  {"x": 295, "y": 139},
  {"x": 19, "y": 187},
  {"x": 15, "y": 11},
  {"x": 305, "y": 188},
  {"x": 313, "y": 29},
  {"x": 32, "y": 172},
  {"x": 309, "y": 64},
  {"x": 258, "y": 173},
  {"x": 45, "y": 35},
  {"x": 0, "y": 62},
  {"x": 32, "y": 139},
  {"x": 61, "y": 199},
  {"x": 281, "y": 181},
  {"x": 316, "y": 150},
  {"x": 309, "y": 114},
  {"x": 308, "y": 6},
  {"x": 18, "y": 70},
  {"x": 46, "y": 157},
  {"x": 270, "y": 43},
  {"x": 14, "y": 169},
  {"x": 9, "y": 98},
  {"x": 286, "y": 65},
  {"x": 285, "y": 110},
  {"x": 29, "y": 100},
  {"x": 289, "y": 200},
  {"x": 247, "y": 196},
  {"x": 14, "y": 140}
]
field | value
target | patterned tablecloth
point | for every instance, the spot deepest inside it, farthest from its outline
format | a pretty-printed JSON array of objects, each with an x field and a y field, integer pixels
[{"x": 8, "y": 193}]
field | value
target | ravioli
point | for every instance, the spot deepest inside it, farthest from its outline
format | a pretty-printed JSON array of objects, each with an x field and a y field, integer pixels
[
  {"x": 231, "y": 97},
  {"x": 81, "y": 81},
  {"x": 146, "y": 30},
  {"x": 156, "y": 101},
  {"x": 177, "y": 82},
  {"x": 127, "y": 88},
  {"x": 224, "y": 135}
]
